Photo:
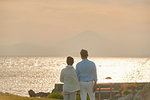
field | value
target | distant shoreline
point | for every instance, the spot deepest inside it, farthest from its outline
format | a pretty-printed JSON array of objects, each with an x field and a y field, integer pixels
[
  {"x": 7, "y": 96},
  {"x": 79, "y": 56}
]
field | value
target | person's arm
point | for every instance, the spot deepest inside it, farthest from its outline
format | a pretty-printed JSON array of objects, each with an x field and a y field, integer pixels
[
  {"x": 77, "y": 71},
  {"x": 76, "y": 80},
  {"x": 95, "y": 73},
  {"x": 75, "y": 77},
  {"x": 95, "y": 79},
  {"x": 62, "y": 76},
  {"x": 95, "y": 86}
]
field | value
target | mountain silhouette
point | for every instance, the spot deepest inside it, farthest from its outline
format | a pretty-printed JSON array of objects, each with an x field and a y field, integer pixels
[
  {"x": 84, "y": 39},
  {"x": 97, "y": 45},
  {"x": 88, "y": 40}
]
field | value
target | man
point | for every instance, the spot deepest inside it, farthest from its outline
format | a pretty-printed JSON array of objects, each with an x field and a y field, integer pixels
[{"x": 87, "y": 76}]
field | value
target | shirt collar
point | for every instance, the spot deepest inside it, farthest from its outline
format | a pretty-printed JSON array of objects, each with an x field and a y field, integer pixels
[
  {"x": 84, "y": 59},
  {"x": 69, "y": 66}
]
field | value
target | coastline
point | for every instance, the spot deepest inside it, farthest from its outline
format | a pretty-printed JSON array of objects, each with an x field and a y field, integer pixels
[
  {"x": 120, "y": 90},
  {"x": 7, "y": 96}
]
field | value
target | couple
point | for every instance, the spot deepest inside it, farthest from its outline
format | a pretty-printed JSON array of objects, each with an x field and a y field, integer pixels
[{"x": 84, "y": 78}]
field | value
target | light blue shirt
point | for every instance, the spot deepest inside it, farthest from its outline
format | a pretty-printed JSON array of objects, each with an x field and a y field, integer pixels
[{"x": 86, "y": 71}]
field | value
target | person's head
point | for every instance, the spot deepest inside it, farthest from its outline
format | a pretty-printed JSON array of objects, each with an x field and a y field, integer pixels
[
  {"x": 70, "y": 60},
  {"x": 84, "y": 54}
]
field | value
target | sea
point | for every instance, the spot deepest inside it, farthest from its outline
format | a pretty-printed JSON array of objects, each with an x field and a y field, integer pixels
[{"x": 20, "y": 74}]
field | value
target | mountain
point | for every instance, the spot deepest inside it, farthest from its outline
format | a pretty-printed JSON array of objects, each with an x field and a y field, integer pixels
[
  {"x": 93, "y": 42},
  {"x": 85, "y": 39},
  {"x": 102, "y": 45},
  {"x": 98, "y": 45}
]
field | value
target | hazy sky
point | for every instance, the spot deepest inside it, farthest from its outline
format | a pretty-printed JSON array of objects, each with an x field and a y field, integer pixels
[{"x": 45, "y": 22}]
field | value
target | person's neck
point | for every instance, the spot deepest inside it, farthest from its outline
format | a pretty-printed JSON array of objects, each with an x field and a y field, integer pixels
[
  {"x": 69, "y": 66},
  {"x": 84, "y": 58}
]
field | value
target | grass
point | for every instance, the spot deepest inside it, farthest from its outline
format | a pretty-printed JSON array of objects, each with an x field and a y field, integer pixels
[
  {"x": 56, "y": 96},
  {"x": 5, "y": 96}
]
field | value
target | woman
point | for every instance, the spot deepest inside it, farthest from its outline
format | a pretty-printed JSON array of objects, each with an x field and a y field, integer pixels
[{"x": 69, "y": 78}]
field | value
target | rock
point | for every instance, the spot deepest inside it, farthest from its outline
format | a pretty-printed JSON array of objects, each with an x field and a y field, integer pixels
[
  {"x": 58, "y": 88},
  {"x": 138, "y": 96},
  {"x": 40, "y": 94},
  {"x": 143, "y": 94},
  {"x": 31, "y": 93},
  {"x": 146, "y": 88},
  {"x": 108, "y": 78},
  {"x": 121, "y": 98},
  {"x": 147, "y": 96},
  {"x": 128, "y": 97}
]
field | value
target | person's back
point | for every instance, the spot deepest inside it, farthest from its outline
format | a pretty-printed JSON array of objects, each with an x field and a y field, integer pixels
[
  {"x": 86, "y": 70},
  {"x": 87, "y": 76},
  {"x": 69, "y": 78}
]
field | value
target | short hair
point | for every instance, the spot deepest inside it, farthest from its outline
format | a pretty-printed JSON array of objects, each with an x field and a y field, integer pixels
[
  {"x": 84, "y": 53},
  {"x": 70, "y": 60}
]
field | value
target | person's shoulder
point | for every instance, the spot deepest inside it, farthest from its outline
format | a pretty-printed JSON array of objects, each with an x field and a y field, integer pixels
[
  {"x": 78, "y": 63},
  {"x": 63, "y": 69},
  {"x": 73, "y": 69},
  {"x": 91, "y": 62}
]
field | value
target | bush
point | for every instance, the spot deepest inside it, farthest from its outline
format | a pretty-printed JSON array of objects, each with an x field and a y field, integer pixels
[
  {"x": 55, "y": 95},
  {"x": 126, "y": 92},
  {"x": 60, "y": 96}
]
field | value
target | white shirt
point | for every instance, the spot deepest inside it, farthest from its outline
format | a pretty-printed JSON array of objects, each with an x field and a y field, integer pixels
[{"x": 69, "y": 78}]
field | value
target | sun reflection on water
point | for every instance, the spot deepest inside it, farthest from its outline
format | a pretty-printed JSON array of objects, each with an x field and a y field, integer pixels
[{"x": 20, "y": 74}]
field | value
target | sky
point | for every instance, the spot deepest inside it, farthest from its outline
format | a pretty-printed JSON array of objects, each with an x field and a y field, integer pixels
[{"x": 46, "y": 23}]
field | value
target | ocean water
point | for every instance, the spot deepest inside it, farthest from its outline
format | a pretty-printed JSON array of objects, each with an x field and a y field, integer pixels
[{"x": 20, "y": 74}]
